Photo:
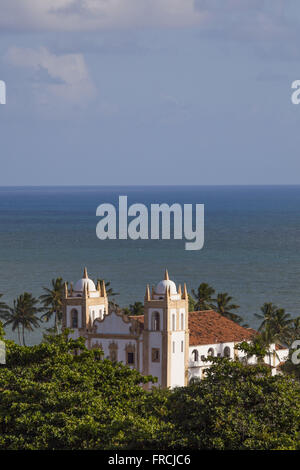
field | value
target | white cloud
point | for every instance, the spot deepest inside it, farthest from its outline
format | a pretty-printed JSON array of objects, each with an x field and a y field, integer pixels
[
  {"x": 79, "y": 15},
  {"x": 269, "y": 24},
  {"x": 56, "y": 77},
  {"x": 84, "y": 15}
]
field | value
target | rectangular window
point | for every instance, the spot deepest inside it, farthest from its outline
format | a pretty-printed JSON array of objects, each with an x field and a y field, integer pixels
[
  {"x": 173, "y": 346},
  {"x": 182, "y": 321},
  {"x": 130, "y": 358},
  {"x": 181, "y": 346},
  {"x": 173, "y": 322},
  {"x": 155, "y": 355}
]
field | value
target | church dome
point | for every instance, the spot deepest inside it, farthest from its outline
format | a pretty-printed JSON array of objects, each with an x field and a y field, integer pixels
[
  {"x": 162, "y": 286},
  {"x": 85, "y": 281}
]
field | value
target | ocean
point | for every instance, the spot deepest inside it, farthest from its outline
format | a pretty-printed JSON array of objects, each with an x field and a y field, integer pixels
[{"x": 251, "y": 249}]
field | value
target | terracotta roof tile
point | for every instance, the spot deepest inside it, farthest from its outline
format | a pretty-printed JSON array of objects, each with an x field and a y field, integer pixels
[{"x": 209, "y": 327}]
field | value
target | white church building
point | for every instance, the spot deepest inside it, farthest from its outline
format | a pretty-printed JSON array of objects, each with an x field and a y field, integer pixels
[{"x": 167, "y": 342}]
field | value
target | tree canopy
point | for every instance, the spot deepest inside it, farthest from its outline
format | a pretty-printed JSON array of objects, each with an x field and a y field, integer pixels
[
  {"x": 59, "y": 395},
  {"x": 236, "y": 407}
]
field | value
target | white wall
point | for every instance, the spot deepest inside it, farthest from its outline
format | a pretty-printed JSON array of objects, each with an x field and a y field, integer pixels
[
  {"x": 177, "y": 359},
  {"x": 121, "y": 351},
  {"x": 196, "y": 369},
  {"x": 155, "y": 341},
  {"x": 96, "y": 311},
  {"x": 114, "y": 325}
]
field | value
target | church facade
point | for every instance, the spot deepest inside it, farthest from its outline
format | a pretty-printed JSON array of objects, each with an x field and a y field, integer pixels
[{"x": 167, "y": 342}]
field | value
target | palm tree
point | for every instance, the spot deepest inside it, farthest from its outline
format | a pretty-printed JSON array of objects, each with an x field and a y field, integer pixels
[
  {"x": 23, "y": 315},
  {"x": 224, "y": 307},
  {"x": 110, "y": 293},
  {"x": 294, "y": 330},
  {"x": 259, "y": 346},
  {"x": 281, "y": 325},
  {"x": 192, "y": 303},
  {"x": 267, "y": 313},
  {"x": 135, "y": 309},
  {"x": 52, "y": 302},
  {"x": 203, "y": 297},
  {"x": 276, "y": 321}
]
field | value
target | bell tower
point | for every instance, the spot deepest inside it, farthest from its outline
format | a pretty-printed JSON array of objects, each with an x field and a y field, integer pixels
[
  {"x": 83, "y": 304},
  {"x": 166, "y": 333}
]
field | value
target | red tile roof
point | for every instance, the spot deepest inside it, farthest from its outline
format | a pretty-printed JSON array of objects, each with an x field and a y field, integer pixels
[{"x": 209, "y": 327}]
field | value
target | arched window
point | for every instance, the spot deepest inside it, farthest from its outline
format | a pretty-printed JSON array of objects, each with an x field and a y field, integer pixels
[
  {"x": 211, "y": 352},
  {"x": 155, "y": 321},
  {"x": 74, "y": 318},
  {"x": 226, "y": 351},
  {"x": 195, "y": 355},
  {"x": 173, "y": 322}
]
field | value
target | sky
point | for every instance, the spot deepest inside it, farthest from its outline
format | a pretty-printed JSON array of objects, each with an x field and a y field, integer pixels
[{"x": 103, "y": 92}]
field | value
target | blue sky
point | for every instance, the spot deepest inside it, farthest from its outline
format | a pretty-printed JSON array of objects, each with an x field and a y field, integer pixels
[{"x": 149, "y": 92}]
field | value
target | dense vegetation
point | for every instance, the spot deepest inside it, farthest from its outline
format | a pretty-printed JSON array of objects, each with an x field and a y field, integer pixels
[
  {"x": 59, "y": 395},
  {"x": 237, "y": 407}
]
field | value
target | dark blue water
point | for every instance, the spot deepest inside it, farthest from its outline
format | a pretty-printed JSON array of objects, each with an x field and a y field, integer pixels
[{"x": 251, "y": 250}]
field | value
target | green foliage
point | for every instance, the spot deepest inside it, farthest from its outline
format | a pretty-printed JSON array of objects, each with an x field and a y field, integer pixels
[
  {"x": 59, "y": 395},
  {"x": 292, "y": 365},
  {"x": 23, "y": 315},
  {"x": 236, "y": 407},
  {"x": 2, "y": 331},
  {"x": 110, "y": 293},
  {"x": 295, "y": 329},
  {"x": 192, "y": 303},
  {"x": 224, "y": 307},
  {"x": 203, "y": 297},
  {"x": 256, "y": 348},
  {"x": 203, "y": 300},
  {"x": 52, "y": 302},
  {"x": 275, "y": 323},
  {"x": 135, "y": 309}
]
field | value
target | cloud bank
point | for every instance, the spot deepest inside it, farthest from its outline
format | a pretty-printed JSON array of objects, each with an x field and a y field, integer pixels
[
  {"x": 80, "y": 15},
  {"x": 62, "y": 77},
  {"x": 88, "y": 15}
]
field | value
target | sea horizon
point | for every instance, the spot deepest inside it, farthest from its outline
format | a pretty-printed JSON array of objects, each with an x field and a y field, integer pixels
[{"x": 251, "y": 249}]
